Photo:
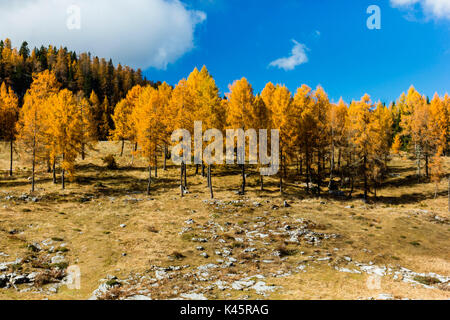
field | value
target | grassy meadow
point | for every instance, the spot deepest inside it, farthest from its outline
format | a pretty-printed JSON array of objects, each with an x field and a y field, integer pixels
[{"x": 259, "y": 246}]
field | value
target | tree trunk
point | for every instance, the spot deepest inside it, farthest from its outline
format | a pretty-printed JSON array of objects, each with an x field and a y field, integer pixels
[
  {"x": 365, "y": 178},
  {"x": 165, "y": 158},
  {"x": 149, "y": 179},
  {"x": 210, "y": 182},
  {"x": 331, "y": 165},
  {"x": 281, "y": 172},
  {"x": 203, "y": 170},
  {"x": 308, "y": 171},
  {"x": 319, "y": 173},
  {"x": 418, "y": 155},
  {"x": 121, "y": 148},
  {"x": 261, "y": 180},
  {"x": 156, "y": 166},
  {"x": 63, "y": 174},
  {"x": 181, "y": 179},
  {"x": 54, "y": 171},
  {"x": 339, "y": 159},
  {"x": 33, "y": 166},
  {"x": 185, "y": 176},
  {"x": 426, "y": 165},
  {"x": 11, "y": 157},
  {"x": 243, "y": 180},
  {"x": 83, "y": 152}
]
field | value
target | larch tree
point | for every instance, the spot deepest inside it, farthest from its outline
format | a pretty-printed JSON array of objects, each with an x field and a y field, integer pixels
[
  {"x": 149, "y": 128},
  {"x": 64, "y": 127},
  {"x": 439, "y": 123},
  {"x": 397, "y": 145},
  {"x": 260, "y": 120},
  {"x": 97, "y": 112},
  {"x": 167, "y": 119},
  {"x": 105, "y": 127},
  {"x": 360, "y": 134},
  {"x": 415, "y": 117},
  {"x": 32, "y": 121},
  {"x": 209, "y": 109},
  {"x": 280, "y": 112},
  {"x": 322, "y": 131},
  {"x": 182, "y": 112},
  {"x": 303, "y": 127},
  {"x": 123, "y": 130},
  {"x": 336, "y": 119},
  {"x": 240, "y": 104},
  {"x": 88, "y": 128},
  {"x": 9, "y": 112},
  {"x": 381, "y": 128}
]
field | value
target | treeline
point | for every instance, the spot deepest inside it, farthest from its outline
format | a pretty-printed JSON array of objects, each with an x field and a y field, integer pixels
[
  {"x": 76, "y": 72},
  {"x": 331, "y": 146}
]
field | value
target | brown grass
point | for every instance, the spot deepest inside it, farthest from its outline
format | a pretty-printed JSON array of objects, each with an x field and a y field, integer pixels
[{"x": 88, "y": 215}]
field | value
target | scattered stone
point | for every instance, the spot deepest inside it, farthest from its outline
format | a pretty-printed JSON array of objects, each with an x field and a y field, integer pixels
[
  {"x": 139, "y": 298},
  {"x": 193, "y": 296}
]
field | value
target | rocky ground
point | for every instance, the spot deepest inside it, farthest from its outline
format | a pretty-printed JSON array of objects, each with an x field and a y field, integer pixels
[{"x": 240, "y": 257}]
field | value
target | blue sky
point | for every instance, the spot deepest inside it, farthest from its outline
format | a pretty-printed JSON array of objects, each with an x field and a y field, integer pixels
[
  {"x": 235, "y": 38},
  {"x": 241, "y": 38}
]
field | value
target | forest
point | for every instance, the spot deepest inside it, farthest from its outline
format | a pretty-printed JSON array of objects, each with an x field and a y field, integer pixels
[{"x": 73, "y": 101}]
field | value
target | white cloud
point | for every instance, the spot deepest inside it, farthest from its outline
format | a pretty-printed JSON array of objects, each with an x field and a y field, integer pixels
[
  {"x": 438, "y": 9},
  {"x": 298, "y": 56},
  {"x": 140, "y": 33}
]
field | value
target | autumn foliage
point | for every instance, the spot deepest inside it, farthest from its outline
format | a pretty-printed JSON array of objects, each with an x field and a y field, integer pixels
[{"x": 330, "y": 146}]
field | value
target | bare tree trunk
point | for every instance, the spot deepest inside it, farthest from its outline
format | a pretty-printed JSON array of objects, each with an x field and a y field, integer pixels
[
  {"x": 319, "y": 173},
  {"x": 339, "y": 159},
  {"x": 149, "y": 179},
  {"x": 156, "y": 166},
  {"x": 365, "y": 179},
  {"x": 181, "y": 179},
  {"x": 210, "y": 182},
  {"x": 33, "y": 165},
  {"x": 418, "y": 156},
  {"x": 63, "y": 174},
  {"x": 308, "y": 171},
  {"x": 11, "y": 157},
  {"x": 83, "y": 152},
  {"x": 203, "y": 170},
  {"x": 121, "y": 149},
  {"x": 281, "y": 172},
  {"x": 261, "y": 180},
  {"x": 243, "y": 180},
  {"x": 331, "y": 165},
  {"x": 185, "y": 176},
  {"x": 165, "y": 158},
  {"x": 54, "y": 171}
]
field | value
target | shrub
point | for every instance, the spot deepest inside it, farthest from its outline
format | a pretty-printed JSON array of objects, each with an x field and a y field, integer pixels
[{"x": 110, "y": 162}]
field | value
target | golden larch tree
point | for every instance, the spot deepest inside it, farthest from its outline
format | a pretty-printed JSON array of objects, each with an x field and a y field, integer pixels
[
  {"x": 64, "y": 128},
  {"x": 9, "y": 112},
  {"x": 32, "y": 120}
]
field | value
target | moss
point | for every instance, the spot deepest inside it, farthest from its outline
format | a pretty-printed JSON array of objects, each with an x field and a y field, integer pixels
[
  {"x": 415, "y": 243},
  {"x": 429, "y": 281}
]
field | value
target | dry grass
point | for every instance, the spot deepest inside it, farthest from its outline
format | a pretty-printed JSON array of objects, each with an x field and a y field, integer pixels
[{"x": 394, "y": 230}]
